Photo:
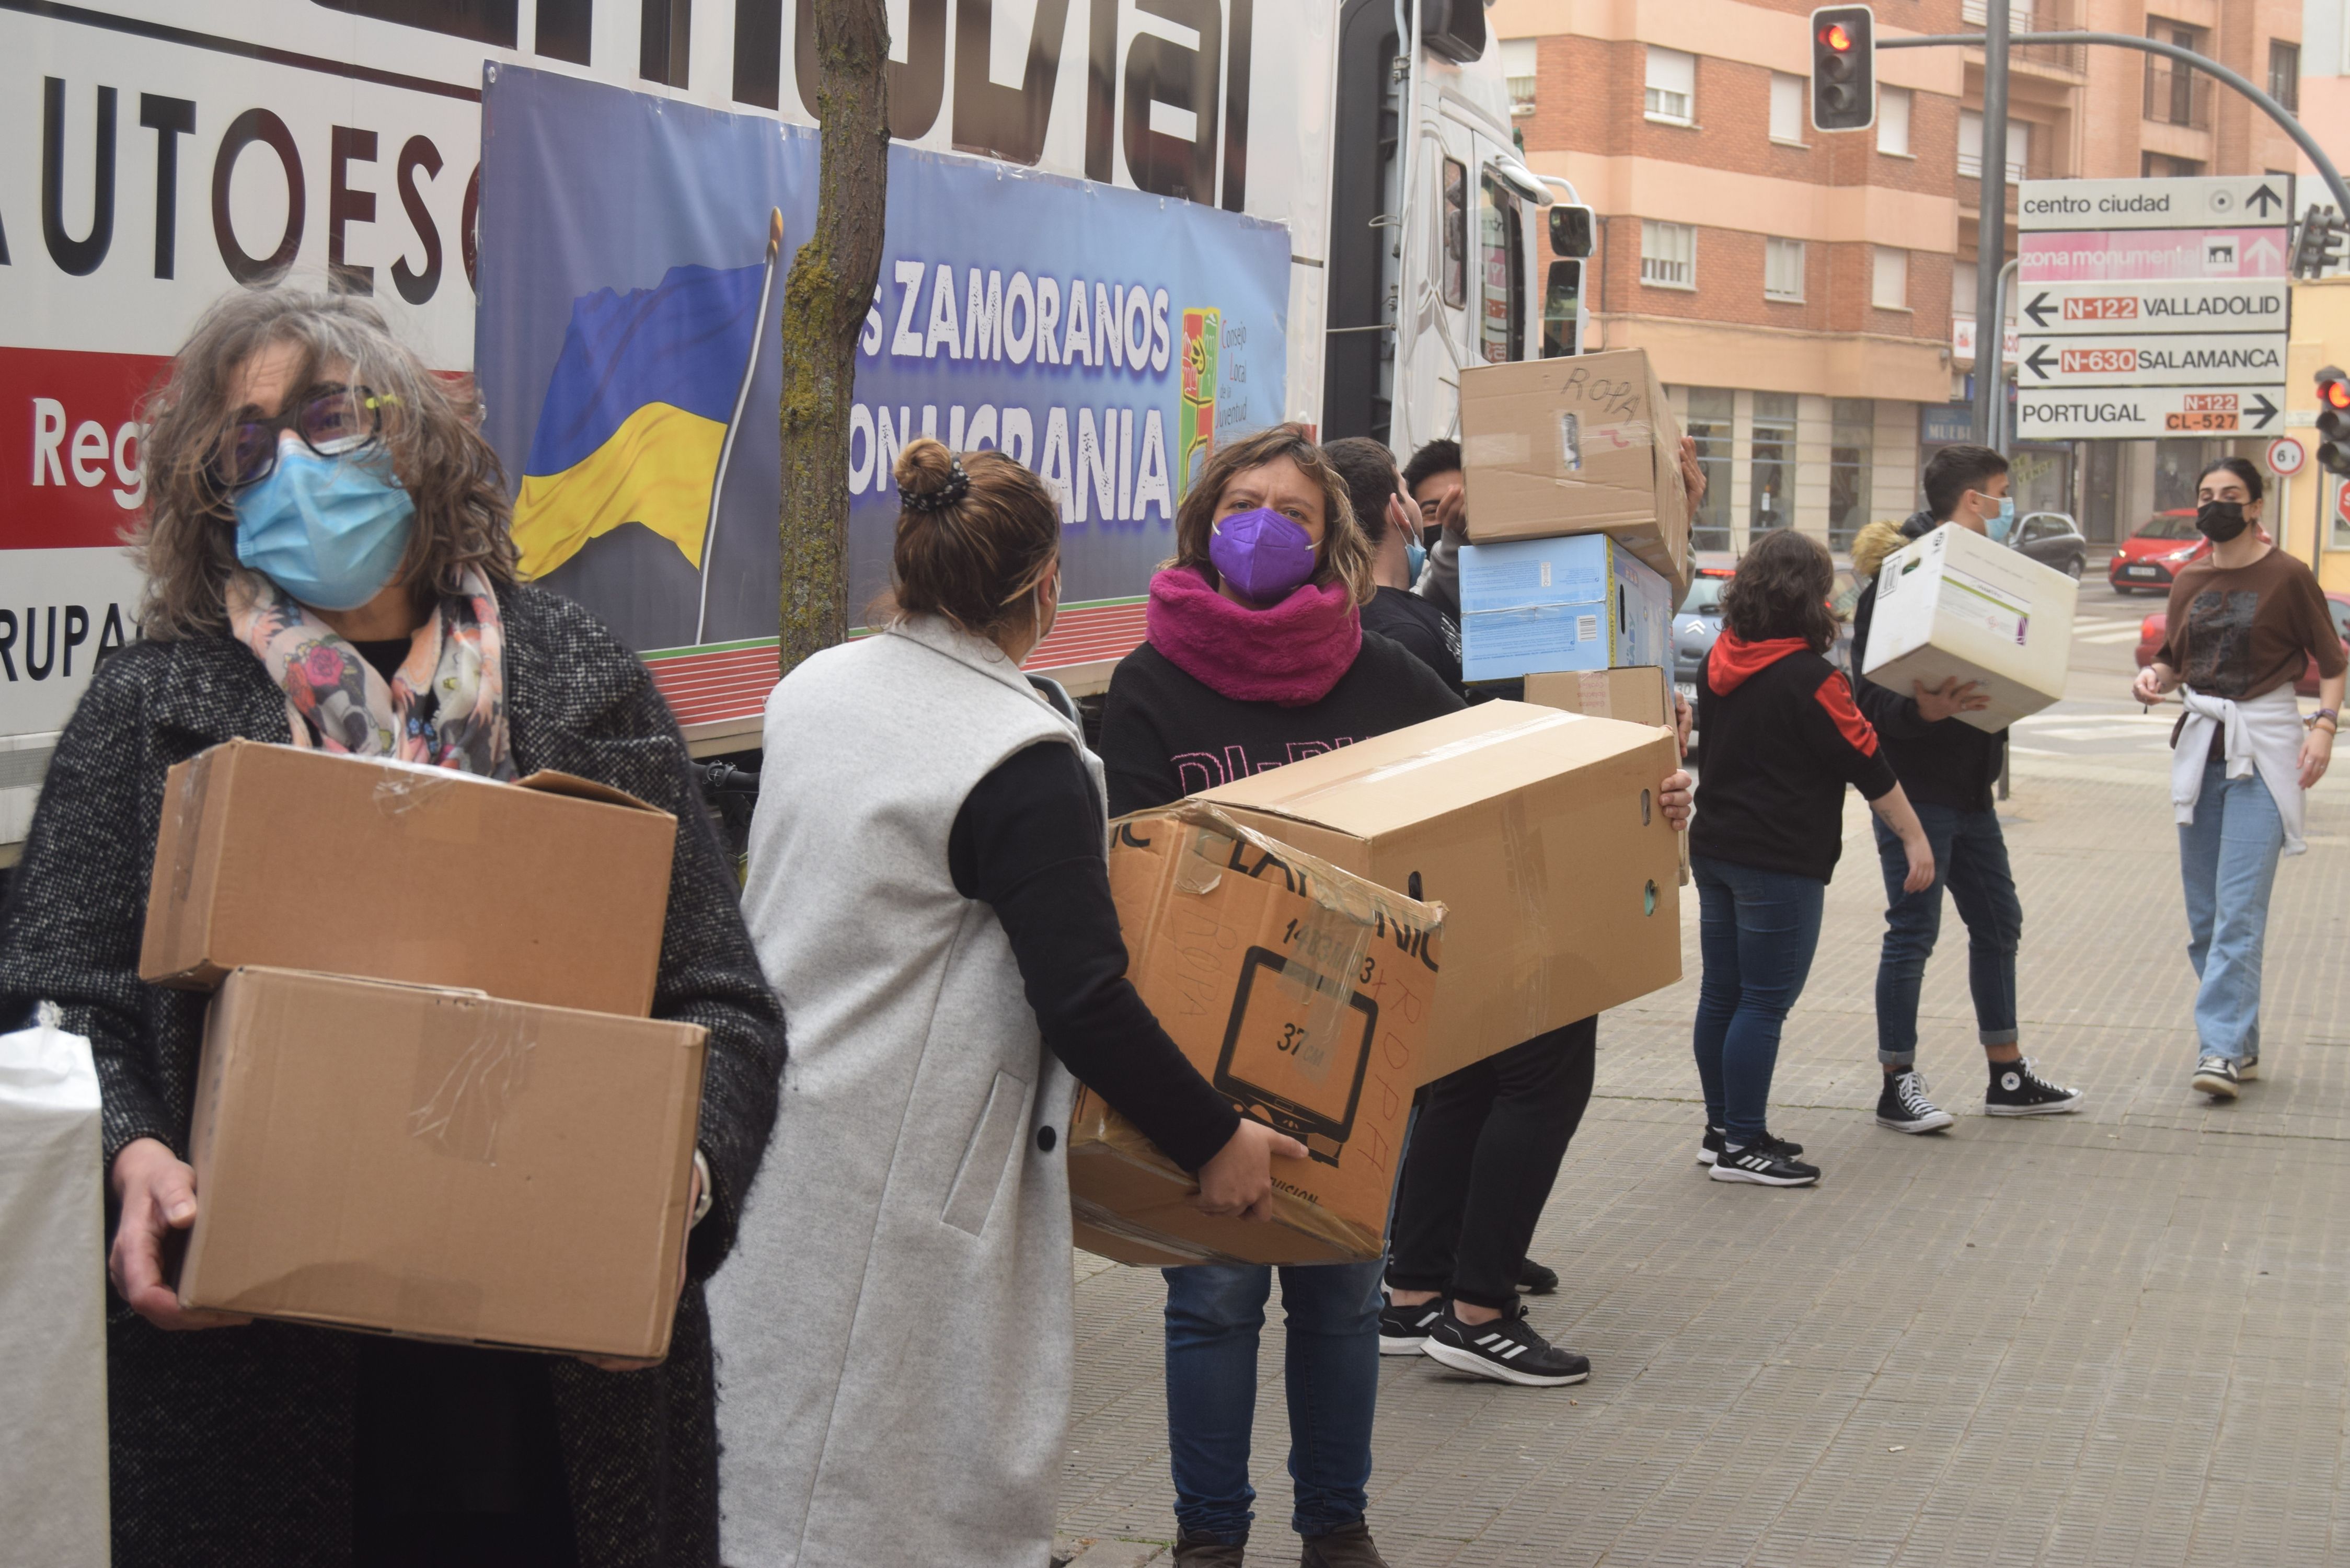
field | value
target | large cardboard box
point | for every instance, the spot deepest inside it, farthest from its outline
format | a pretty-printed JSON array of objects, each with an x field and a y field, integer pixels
[
  {"x": 1540, "y": 833},
  {"x": 551, "y": 890},
  {"x": 1955, "y": 604},
  {"x": 1304, "y": 995},
  {"x": 439, "y": 1164},
  {"x": 1640, "y": 695},
  {"x": 1579, "y": 603},
  {"x": 1587, "y": 445}
]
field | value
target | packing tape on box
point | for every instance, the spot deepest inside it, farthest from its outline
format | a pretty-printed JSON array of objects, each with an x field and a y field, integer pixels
[
  {"x": 1086, "y": 1211},
  {"x": 1100, "y": 1126},
  {"x": 466, "y": 1081},
  {"x": 406, "y": 786},
  {"x": 187, "y": 816},
  {"x": 1549, "y": 718},
  {"x": 1525, "y": 863}
]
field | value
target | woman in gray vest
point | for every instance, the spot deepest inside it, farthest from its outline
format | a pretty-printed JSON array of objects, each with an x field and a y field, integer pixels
[{"x": 930, "y": 894}]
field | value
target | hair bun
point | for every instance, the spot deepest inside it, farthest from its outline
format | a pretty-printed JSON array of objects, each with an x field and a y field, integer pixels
[{"x": 929, "y": 477}]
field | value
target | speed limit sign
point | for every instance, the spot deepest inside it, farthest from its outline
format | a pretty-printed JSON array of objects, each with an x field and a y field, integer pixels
[{"x": 2285, "y": 457}]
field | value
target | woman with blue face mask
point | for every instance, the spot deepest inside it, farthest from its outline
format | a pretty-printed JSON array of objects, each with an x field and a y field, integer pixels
[{"x": 326, "y": 539}]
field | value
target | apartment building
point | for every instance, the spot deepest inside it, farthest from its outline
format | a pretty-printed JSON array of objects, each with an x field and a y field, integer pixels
[{"x": 1809, "y": 298}]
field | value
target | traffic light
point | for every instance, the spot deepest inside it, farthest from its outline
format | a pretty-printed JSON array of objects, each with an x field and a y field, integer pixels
[
  {"x": 2334, "y": 420},
  {"x": 2319, "y": 246},
  {"x": 1844, "y": 68}
]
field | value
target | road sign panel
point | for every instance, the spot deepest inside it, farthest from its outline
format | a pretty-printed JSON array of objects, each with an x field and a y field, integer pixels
[
  {"x": 2141, "y": 412},
  {"x": 2286, "y": 457},
  {"x": 2066, "y": 309},
  {"x": 2122, "y": 256},
  {"x": 2237, "y": 200},
  {"x": 2154, "y": 359}
]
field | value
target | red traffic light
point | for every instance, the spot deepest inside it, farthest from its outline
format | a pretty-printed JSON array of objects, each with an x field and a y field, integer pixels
[
  {"x": 1837, "y": 36},
  {"x": 2334, "y": 395}
]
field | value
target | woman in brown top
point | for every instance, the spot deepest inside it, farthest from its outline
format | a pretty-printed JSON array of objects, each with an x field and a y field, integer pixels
[{"x": 2243, "y": 621}]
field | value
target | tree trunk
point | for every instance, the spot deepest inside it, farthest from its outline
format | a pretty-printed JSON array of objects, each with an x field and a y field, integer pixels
[{"x": 825, "y": 301}]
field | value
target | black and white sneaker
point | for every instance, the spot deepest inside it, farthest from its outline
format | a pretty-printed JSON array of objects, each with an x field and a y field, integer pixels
[
  {"x": 1765, "y": 1162},
  {"x": 1507, "y": 1350},
  {"x": 1535, "y": 1280},
  {"x": 1902, "y": 1106},
  {"x": 1709, "y": 1149},
  {"x": 2218, "y": 1077},
  {"x": 1404, "y": 1329},
  {"x": 2017, "y": 1091},
  {"x": 2247, "y": 1069}
]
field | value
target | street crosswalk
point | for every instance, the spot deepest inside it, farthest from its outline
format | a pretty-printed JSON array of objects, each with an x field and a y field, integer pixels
[{"x": 2101, "y": 631}]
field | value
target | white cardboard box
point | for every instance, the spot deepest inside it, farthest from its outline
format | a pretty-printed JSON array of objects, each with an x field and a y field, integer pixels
[{"x": 1953, "y": 603}]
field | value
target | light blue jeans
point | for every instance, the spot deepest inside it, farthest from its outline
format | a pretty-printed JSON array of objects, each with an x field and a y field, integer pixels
[{"x": 2227, "y": 859}]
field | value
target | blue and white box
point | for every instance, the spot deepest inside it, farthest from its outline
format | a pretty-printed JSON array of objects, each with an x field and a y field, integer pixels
[{"x": 1582, "y": 602}]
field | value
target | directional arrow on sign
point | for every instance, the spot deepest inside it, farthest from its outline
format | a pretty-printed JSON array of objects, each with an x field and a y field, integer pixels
[
  {"x": 2038, "y": 309},
  {"x": 2040, "y": 359},
  {"x": 2262, "y": 257},
  {"x": 2264, "y": 200},
  {"x": 2259, "y": 409}
]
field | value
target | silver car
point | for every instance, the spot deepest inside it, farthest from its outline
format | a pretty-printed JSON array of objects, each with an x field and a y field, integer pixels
[{"x": 1695, "y": 626}]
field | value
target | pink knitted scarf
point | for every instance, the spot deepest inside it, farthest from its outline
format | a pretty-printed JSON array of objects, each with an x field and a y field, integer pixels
[{"x": 1291, "y": 653}]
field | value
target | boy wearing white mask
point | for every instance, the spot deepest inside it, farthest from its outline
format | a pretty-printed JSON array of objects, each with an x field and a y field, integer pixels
[{"x": 1948, "y": 768}]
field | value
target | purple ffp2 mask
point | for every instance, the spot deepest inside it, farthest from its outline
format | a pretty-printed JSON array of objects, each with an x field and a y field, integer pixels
[{"x": 1261, "y": 553}]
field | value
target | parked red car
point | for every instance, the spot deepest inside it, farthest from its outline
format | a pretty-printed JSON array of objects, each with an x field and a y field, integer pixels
[
  {"x": 2150, "y": 558},
  {"x": 2156, "y": 627}
]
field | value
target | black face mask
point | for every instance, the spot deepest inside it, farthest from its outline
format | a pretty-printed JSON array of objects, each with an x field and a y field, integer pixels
[{"x": 2221, "y": 520}]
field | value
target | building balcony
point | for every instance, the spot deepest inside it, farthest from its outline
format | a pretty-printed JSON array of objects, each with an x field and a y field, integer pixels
[
  {"x": 2177, "y": 95},
  {"x": 2062, "y": 62}
]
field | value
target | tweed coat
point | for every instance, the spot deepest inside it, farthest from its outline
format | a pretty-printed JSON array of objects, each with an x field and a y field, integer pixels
[{"x": 235, "y": 1446}]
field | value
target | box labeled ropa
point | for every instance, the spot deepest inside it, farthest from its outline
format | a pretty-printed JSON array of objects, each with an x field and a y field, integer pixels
[
  {"x": 1953, "y": 604},
  {"x": 1585, "y": 444},
  {"x": 1568, "y": 604},
  {"x": 440, "y": 1164},
  {"x": 551, "y": 890},
  {"x": 1540, "y": 833},
  {"x": 1304, "y": 995}
]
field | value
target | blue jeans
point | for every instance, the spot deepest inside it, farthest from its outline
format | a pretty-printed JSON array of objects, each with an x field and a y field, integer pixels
[
  {"x": 2228, "y": 857},
  {"x": 1214, "y": 1313},
  {"x": 1757, "y": 931},
  {"x": 1971, "y": 859}
]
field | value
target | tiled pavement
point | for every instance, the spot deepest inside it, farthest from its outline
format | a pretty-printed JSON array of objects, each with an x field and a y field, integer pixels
[{"x": 2120, "y": 1337}]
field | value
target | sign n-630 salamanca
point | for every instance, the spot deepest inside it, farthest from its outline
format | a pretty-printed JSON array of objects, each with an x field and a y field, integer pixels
[{"x": 2151, "y": 359}]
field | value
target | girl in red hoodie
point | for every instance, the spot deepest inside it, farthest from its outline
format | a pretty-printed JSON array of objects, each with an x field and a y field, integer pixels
[{"x": 1782, "y": 739}]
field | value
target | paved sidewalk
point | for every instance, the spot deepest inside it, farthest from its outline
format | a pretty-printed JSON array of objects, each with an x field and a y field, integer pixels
[{"x": 2117, "y": 1337}]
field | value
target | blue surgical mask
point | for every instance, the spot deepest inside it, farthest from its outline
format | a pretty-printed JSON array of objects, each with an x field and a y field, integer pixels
[
  {"x": 1414, "y": 558},
  {"x": 328, "y": 531},
  {"x": 2001, "y": 527}
]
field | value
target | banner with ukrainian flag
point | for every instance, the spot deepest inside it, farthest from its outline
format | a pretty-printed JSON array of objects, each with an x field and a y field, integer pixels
[{"x": 1105, "y": 338}]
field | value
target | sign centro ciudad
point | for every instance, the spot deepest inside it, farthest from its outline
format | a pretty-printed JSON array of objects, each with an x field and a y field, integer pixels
[{"x": 2151, "y": 307}]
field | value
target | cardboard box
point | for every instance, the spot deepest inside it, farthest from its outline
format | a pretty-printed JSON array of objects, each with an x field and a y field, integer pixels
[
  {"x": 1581, "y": 603},
  {"x": 1955, "y": 604},
  {"x": 1539, "y": 832},
  {"x": 441, "y": 1164},
  {"x": 1587, "y": 445},
  {"x": 551, "y": 890},
  {"x": 1641, "y": 695},
  {"x": 1304, "y": 995}
]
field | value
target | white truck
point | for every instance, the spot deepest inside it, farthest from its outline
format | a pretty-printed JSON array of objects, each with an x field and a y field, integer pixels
[{"x": 168, "y": 150}]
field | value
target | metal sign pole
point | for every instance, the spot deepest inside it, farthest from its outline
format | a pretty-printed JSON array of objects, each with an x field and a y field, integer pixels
[{"x": 1990, "y": 226}]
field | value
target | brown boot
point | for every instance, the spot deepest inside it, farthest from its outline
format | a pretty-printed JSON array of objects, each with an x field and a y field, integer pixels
[
  {"x": 1349, "y": 1547},
  {"x": 1192, "y": 1551}
]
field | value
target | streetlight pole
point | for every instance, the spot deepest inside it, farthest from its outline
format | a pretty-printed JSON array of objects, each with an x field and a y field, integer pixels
[{"x": 1990, "y": 227}]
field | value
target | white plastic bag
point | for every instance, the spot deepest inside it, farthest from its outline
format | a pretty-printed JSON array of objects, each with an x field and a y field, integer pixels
[{"x": 53, "y": 1483}]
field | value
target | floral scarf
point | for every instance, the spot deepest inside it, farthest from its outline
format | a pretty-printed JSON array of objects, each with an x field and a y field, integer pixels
[{"x": 445, "y": 706}]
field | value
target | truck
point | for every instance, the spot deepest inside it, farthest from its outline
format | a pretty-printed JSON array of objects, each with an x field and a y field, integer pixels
[{"x": 169, "y": 150}]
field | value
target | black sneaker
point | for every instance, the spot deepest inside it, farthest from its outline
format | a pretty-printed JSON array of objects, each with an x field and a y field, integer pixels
[
  {"x": 1902, "y": 1105},
  {"x": 1507, "y": 1350},
  {"x": 2017, "y": 1091},
  {"x": 1404, "y": 1329},
  {"x": 1535, "y": 1280},
  {"x": 1709, "y": 1147},
  {"x": 2218, "y": 1077},
  {"x": 1765, "y": 1162}
]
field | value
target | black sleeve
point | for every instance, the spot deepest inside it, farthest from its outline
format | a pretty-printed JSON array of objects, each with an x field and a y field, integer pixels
[
  {"x": 1419, "y": 628},
  {"x": 1892, "y": 713},
  {"x": 1028, "y": 843},
  {"x": 1140, "y": 772}
]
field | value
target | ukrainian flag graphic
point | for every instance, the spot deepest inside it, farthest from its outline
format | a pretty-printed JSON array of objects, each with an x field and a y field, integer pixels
[{"x": 636, "y": 412}]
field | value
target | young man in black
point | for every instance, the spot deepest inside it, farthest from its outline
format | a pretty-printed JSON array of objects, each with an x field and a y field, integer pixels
[
  {"x": 1949, "y": 769},
  {"x": 1392, "y": 521}
]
